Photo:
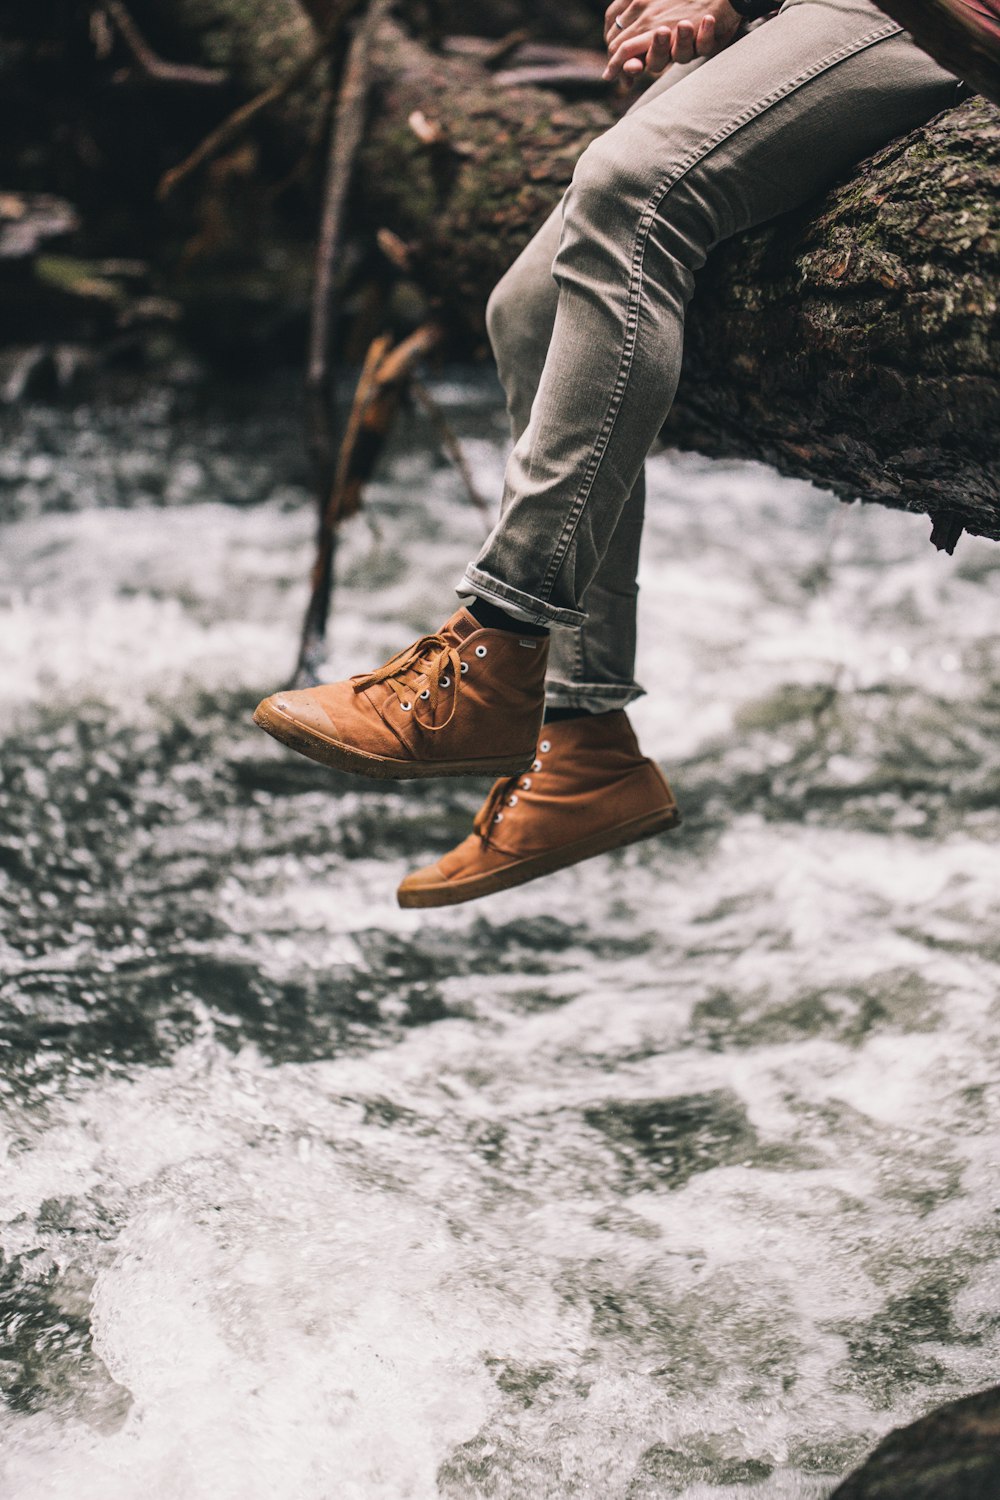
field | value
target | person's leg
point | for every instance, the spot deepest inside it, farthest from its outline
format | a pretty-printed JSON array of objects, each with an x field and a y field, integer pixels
[
  {"x": 591, "y": 665},
  {"x": 753, "y": 133}
]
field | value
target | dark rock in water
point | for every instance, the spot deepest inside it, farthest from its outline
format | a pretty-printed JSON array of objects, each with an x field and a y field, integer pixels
[{"x": 951, "y": 1454}]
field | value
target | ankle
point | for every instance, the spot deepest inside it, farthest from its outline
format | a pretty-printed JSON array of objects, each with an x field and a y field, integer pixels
[{"x": 495, "y": 618}]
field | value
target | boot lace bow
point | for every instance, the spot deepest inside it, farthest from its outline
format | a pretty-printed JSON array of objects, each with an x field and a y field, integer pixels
[{"x": 432, "y": 658}]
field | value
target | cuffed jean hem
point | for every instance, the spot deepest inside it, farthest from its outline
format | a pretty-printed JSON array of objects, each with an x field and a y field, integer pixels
[
  {"x": 595, "y": 697},
  {"x": 522, "y": 606}
]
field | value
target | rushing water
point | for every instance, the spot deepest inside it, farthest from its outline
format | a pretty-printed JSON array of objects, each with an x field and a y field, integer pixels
[{"x": 673, "y": 1175}]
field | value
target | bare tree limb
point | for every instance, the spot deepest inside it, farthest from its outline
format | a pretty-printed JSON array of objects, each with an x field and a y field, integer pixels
[{"x": 345, "y": 138}]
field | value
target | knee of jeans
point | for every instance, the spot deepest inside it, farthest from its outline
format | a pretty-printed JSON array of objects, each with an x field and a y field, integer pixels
[
  {"x": 511, "y": 319},
  {"x": 606, "y": 184},
  {"x": 609, "y": 198}
]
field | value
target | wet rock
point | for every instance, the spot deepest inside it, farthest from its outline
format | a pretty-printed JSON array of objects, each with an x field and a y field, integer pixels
[{"x": 951, "y": 1454}]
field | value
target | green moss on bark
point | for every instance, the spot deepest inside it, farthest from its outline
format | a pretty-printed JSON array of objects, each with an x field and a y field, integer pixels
[{"x": 867, "y": 326}]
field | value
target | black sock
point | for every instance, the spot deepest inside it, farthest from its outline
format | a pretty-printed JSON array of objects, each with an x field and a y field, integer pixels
[
  {"x": 554, "y": 715},
  {"x": 495, "y": 618}
]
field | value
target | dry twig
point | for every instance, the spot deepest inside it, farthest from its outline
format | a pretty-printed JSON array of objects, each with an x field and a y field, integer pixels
[
  {"x": 345, "y": 138},
  {"x": 332, "y": 488},
  {"x": 384, "y": 376}
]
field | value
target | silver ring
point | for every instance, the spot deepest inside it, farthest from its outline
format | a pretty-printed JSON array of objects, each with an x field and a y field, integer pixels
[{"x": 619, "y": 24}]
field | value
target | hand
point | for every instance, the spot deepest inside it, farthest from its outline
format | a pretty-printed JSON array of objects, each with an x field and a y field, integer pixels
[{"x": 655, "y": 33}]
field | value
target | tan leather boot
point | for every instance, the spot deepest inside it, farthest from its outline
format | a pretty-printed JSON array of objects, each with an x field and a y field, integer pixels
[
  {"x": 465, "y": 702},
  {"x": 589, "y": 789}
]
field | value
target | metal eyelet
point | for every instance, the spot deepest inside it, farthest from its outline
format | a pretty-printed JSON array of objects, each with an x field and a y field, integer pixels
[
  {"x": 426, "y": 693},
  {"x": 498, "y": 818},
  {"x": 406, "y": 707},
  {"x": 526, "y": 784},
  {"x": 536, "y": 765},
  {"x": 480, "y": 650},
  {"x": 446, "y": 682},
  {"x": 465, "y": 667},
  {"x": 545, "y": 746},
  {"x": 512, "y": 800}
]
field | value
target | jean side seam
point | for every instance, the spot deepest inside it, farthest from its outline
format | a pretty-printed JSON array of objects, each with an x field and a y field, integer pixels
[{"x": 646, "y": 221}]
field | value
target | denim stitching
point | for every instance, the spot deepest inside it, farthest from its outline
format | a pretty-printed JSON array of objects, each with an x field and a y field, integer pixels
[{"x": 646, "y": 220}]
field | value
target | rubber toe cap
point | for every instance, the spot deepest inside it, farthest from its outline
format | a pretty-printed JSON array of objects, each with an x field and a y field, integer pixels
[
  {"x": 299, "y": 707},
  {"x": 421, "y": 883},
  {"x": 441, "y": 883}
]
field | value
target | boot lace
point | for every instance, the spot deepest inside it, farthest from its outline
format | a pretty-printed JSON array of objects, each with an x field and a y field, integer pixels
[
  {"x": 430, "y": 657},
  {"x": 505, "y": 791},
  {"x": 490, "y": 812}
]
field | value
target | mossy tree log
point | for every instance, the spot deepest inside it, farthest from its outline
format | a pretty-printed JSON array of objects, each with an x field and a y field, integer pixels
[{"x": 855, "y": 343}]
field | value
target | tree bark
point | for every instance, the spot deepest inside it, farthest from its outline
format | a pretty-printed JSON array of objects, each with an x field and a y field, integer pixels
[{"x": 855, "y": 343}]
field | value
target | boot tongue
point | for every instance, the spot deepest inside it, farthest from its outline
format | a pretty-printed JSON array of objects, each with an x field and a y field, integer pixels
[{"x": 461, "y": 625}]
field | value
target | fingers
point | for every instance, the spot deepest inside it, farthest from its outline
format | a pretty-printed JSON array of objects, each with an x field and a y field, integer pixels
[
  {"x": 659, "y": 56},
  {"x": 617, "y": 11},
  {"x": 635, "y": 48},
  {"x": 623, "y": 52},
  {"x": 705, "y": 42},
  {"x": 684, "y": 42}
]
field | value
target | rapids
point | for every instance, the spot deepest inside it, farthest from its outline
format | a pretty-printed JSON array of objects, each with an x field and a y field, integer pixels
[{"x": 674, "y": 1175}]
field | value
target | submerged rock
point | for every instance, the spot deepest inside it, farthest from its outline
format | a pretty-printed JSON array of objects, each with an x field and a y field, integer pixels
[{"x": 951, "y": 1454}]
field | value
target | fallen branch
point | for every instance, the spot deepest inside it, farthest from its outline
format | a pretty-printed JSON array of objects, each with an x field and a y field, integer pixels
[
  {"x": 380, "y": 387},
  {"x": 497, "y": 53},
  {"x": 345, "y": 138},
  {"x": 854, "y": 343},
  {"x": 337, "y": 493}
]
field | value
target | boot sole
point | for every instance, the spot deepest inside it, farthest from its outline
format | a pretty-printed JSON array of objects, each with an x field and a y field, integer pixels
[
  {"x": 454, "y": 892},
  {"x": 341, "y": 757}
]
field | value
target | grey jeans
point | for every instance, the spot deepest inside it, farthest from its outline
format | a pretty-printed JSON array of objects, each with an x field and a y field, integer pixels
[{"x": 587, "y": 325}]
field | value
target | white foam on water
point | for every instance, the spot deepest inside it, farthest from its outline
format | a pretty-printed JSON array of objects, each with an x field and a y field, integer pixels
[{"x": 428, "y": 1268}]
